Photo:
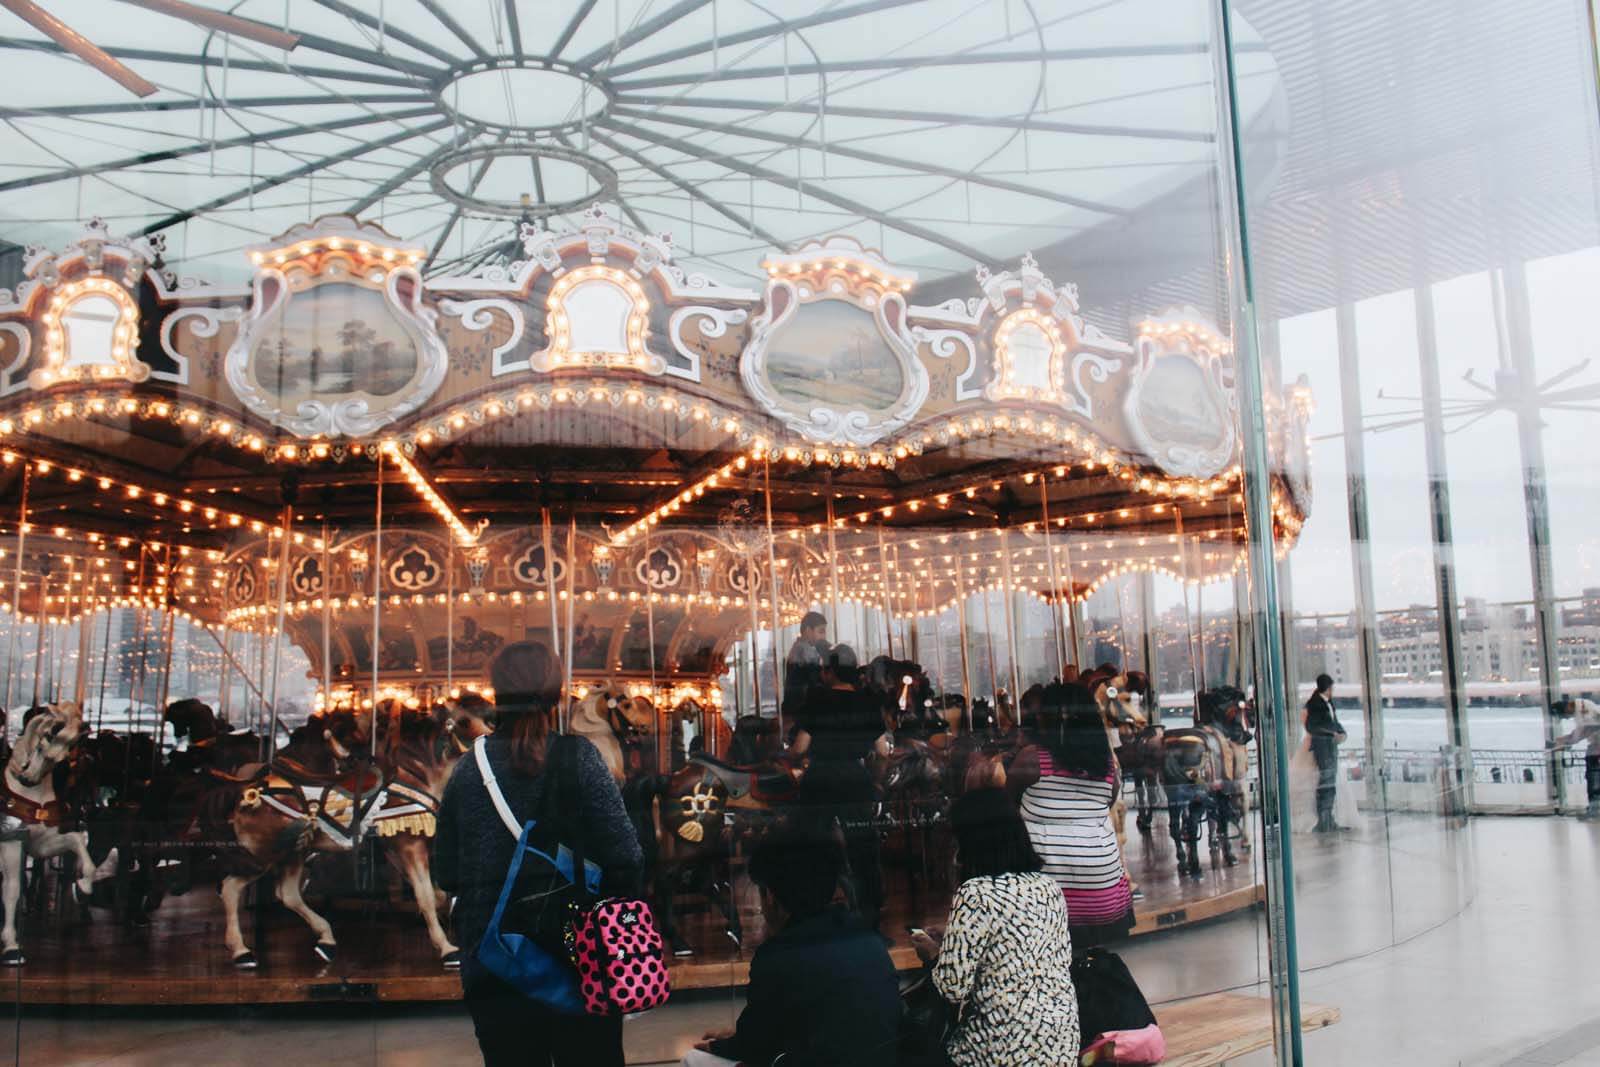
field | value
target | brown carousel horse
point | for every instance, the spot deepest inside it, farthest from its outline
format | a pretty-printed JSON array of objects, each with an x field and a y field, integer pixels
[
  {"x": 33, "y": 820},
  {"x": 417, "y": 751},
  {"x": 308, "y": 799}
]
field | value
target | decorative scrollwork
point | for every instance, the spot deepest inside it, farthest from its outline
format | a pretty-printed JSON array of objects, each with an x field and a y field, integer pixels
[
  {"x": 660, "y": 568},
  {"x": 531, "y": 568},
  {"x": 413, "y": 569}
]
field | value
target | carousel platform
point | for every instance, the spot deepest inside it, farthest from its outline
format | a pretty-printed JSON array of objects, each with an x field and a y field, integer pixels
[{"x": 385, "y": 956}]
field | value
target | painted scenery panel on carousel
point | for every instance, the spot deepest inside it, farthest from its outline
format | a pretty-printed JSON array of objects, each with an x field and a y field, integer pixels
[
  {"x": 832, "y": 353},
  {"x": 1180, "y": 405},
  {"x": 474, "y": 646},
  {"x": 591, "y": 643},
  {"x": 337, "y": 340}
]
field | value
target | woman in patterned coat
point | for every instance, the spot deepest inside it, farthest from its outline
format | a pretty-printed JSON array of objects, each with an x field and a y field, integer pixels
[{"x": 1005, "y": 959}]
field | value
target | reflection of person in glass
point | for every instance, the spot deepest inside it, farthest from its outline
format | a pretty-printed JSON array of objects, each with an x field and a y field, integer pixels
[
  {"x": 802, "y": 668},
  {"x": 1585, "y": 716},
  {"x": 822, "y": 987},
  {"x": 1326, "y": 734},
  {"x": 839, "y": 726}
]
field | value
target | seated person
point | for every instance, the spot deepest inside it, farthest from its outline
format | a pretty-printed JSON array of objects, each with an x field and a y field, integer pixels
[{"x": 823, "y": 991}]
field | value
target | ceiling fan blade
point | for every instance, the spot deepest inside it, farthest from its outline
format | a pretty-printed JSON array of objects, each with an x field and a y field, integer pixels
[
  {"x": 221, "y": 22},
  {"x": 78, "y": 45}
]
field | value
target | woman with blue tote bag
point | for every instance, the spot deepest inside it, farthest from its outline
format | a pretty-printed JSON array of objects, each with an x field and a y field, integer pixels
[{"x": 562, "y": 786}]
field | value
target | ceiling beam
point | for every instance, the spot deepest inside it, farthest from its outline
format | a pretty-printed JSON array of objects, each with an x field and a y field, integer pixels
[
  {"x": 807, "y": 188},
  {"x": 146, "y": 158},
  {"x": 642, "y": 30},
  {"x": 190, "y": 59},
  {"x": 388, "y": 29},
  {"x": 904, "y": 63},
  {"x": 878, "y": 158},
  {"x": 291, "y": 175},
  {"x": 946, "y": 118},
  {"x": 455, "y": 211},
  {"x": 515, "y": 27},
  {"x": 747, "y": 225},
  {"x": 221, "y": 22},
  {"x": 400, "y": 177},
  {"x": 757, "y": 33},
  {"x": 571, "y": 28},
  {"x": 241, "y": 103},
  {"x": 72, "y": 41},
  {"x": 448, "y": 22}
]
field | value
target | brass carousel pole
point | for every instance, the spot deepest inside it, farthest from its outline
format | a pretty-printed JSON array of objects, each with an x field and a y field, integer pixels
[
  {"x": 572, "y": 607},
  {"x": 450, "y": 621},
  {"x": 1071, "y": 604},
  {"x": 165, "y": 689},
  {"x": 44, "y": 622},
  {"x": 755, "y": 625},
  {"x": 327, "y": 623},
  {"x": 650, "y": 626},
  {"x": 225, "y": 687},
  {"x": 1058, "y": 636},
  {"x": 888, "y": 611},
  {"x": 16, "y": 599},
  {"x": 376, "y": 645},
  {"x": 550, "y": 579},
  {"x": 833, "y": 565},
  {"x": 988, "y": 638},
  {"x": 1196, "y": 671},
  {"x": 105, "y": 664},
  {"x": 140, "y": 621},
  {"x": 283, "y": 603},
  {"x": 961, "y": 626},
  {"x": 772, "y": 586},
  {"x": 1010, "y": 601},
  {"x": 80, "y": 673}
]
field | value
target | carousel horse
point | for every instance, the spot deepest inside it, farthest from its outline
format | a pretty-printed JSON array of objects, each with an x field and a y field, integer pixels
[
  {"x": 310, "y": 798},
  {"x": 706, "y": 809},
  {"x": 1194, "y": 767},
  {"x": 33, "y": 819},
  {"x": 1228, "y": 712},
  {"x": 417, "y": 751}
]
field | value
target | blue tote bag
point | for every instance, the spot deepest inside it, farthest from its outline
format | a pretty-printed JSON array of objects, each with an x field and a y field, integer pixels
[{"x": 517, "y": 959}]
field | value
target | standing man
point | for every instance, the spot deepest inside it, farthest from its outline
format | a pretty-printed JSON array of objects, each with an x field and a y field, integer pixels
[
  {"x": 1327, "y": 734},
  {"x": 802, "y": 669},
  {"x": 1585, "y": 716}
]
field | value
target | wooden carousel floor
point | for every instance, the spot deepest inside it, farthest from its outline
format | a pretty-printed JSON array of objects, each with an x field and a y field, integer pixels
[{"x": 385, "y": 956}]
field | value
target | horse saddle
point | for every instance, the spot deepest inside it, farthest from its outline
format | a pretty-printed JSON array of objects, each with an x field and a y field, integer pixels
[{"x": 763, "y": 781}]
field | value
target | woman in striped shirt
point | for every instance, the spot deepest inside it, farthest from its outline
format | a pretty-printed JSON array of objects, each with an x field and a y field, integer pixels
[{"x": 1065, "y": 780}]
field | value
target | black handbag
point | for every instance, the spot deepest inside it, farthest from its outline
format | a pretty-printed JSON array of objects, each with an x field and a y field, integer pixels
[{"x": 1108, "y": 997}]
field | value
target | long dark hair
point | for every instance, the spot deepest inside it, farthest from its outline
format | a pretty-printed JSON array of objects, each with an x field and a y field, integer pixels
[
  {"x": 991, "y": 838},
  {"x": 527, "y": 685},
  {"x": 1070, "y": 728}
]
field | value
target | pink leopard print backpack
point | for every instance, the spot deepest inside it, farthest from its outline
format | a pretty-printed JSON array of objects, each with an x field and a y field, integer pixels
[{"x": 618, "y": 951}]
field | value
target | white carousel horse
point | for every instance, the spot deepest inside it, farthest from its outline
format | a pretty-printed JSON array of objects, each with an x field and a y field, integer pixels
[
  {"x": 1120, "y": 708},
  {"x": 606, "y": 716},
  {"x": 31, "y": 815}
]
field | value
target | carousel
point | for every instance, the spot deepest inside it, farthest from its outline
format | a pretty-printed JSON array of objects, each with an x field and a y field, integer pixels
[{"x": 346, "y": 487}]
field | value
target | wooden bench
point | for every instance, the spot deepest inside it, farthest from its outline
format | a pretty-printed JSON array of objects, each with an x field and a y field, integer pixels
[{"x": 1214, "y": 1029}]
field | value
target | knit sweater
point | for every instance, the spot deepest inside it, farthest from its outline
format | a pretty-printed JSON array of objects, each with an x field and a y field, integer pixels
[{"x": 472, "y": 848}]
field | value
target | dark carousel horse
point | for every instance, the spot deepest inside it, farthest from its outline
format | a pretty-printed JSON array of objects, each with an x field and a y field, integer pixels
[
  {"x": 707, "y": 810},
  {"x": 1202, "y": 772}
]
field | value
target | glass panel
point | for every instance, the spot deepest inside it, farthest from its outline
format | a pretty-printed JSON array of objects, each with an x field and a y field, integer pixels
[{"x": 846, "y": 424}]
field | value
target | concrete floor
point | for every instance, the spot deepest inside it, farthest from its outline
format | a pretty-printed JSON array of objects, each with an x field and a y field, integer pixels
[{"x": 1439, "y": 946}]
